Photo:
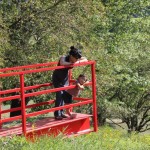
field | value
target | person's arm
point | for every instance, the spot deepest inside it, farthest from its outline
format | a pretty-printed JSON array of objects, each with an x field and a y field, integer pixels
[
  {"x": 82, "y": 59},
  {"x": 63, "y": 62},
  {"x": 81, "y": 87},
  {"x": 86, "y": 82}
]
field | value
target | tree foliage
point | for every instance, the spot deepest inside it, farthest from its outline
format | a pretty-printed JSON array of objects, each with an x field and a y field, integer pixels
[
  {"x": 125, "y": 78},
  {"x": 114, "y": 33}
]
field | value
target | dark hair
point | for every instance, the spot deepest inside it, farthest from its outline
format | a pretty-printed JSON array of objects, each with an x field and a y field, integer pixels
[
  {"x": 82, "y": 76},
  {"x": 75, "y": 52}
]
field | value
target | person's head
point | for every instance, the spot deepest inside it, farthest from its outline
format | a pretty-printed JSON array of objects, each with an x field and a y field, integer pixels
[
  {"x": 82, "y": 79},
  {"x": 74, "y": 54}
]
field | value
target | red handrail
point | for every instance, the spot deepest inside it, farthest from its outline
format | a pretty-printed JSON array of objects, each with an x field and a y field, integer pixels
[
  {"x": 20, "y": 71},
  {"x": 27, "y": 67}
]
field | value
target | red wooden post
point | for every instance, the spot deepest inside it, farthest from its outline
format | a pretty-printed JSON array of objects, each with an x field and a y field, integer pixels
[
  {"x": 0, "y": 113},
  {"x": 94, "y": 96},
  {"x": 0, "y": 108},
  {"x": 23, "y": 109},
  {"x": 70, "y": 76}
]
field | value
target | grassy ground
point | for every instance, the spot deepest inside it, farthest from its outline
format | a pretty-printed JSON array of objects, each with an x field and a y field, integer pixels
[
  {"x": 109, "y": 122},
  {"x": 105, "y": 139},
  {"x": 122, "y": 126}
]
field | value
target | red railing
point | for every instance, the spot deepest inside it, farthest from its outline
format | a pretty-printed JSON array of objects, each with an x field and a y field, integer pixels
[{"x": 21, "y": 71}]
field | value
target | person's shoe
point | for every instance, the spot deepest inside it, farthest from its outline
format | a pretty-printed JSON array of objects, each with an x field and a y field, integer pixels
[
  {"x": 63, "y": 116},
  {"x": 58, "y": 118}
]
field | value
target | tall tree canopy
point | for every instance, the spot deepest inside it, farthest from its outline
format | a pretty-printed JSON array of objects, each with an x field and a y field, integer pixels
[{"x": 114, "y": 33}]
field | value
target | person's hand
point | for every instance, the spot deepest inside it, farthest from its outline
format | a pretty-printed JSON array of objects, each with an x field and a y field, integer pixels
[
  {"x": 77, "y": 62},
  {"x": 86, "y": 82},
  {"x": 81, "y": 87}
]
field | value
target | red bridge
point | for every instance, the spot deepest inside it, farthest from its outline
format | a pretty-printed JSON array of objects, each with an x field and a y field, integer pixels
[{"x": 79, "y": 125}]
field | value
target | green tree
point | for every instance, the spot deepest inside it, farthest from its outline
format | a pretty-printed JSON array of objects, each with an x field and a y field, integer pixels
[
  {"x": 41, "y": 31},
  {"x": 124, "y": 79}
]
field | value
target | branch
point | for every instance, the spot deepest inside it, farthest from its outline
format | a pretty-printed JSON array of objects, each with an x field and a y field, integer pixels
[
  {"x": 143, "y": 99},
  {"x": 145, "y": 122},
  {"x": 21, "y": 17},
  {"x": 142, "y": 122},
  {"x": 116, "y": 123},
  {"x": 145, "y": 129},
  {"x": 147, "y": 95},
  {"x": 15, "y": 23},
  {"x": 56, "y": 4},
  {"x": 14, "y": 62},
  {"x": 2, "y": 27}
]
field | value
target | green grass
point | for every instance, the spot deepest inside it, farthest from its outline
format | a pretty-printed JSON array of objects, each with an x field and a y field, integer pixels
[{"x": 105, "y": 139}]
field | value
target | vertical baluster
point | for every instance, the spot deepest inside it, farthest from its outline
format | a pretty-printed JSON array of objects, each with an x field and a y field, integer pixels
[
  {"x": 94, "y": 96},
  {"x": 23, "y": 109}
]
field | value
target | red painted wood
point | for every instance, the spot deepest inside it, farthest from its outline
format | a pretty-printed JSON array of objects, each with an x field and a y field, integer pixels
[
  {"x": 0, "y": 111},
  {"x": 66, "y": 128},
  {"x": 84, "y": 101},
  {"x": 38, "y": 93},
  {"x": 28, "y": 67},
  {"x": 94, "y": 96},
  {"x": 44, "y": 69},
  {"x": 21, "y": 94},
  {"x": 58, "y": 108},
  {"x": 0, "y": 116},
  {"x": 26, "y": 88},
  {"x": 23, "y": 107},
  {"x": 51, "y": 126}
]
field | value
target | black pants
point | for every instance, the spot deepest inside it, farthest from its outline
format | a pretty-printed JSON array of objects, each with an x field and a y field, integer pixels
[
  {"x": 17, "y": 103},
  {"x": 59, "y": 102}
]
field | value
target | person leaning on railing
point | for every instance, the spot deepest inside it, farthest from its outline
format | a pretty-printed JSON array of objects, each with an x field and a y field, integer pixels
[{"x": 60, "y": 77}]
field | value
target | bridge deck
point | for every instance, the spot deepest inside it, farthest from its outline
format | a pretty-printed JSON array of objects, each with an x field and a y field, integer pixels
[{"x": 51, "y": 126}]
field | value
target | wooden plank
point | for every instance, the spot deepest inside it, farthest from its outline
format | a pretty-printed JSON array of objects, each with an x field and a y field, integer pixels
[{"x": 43, "y": 125}]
